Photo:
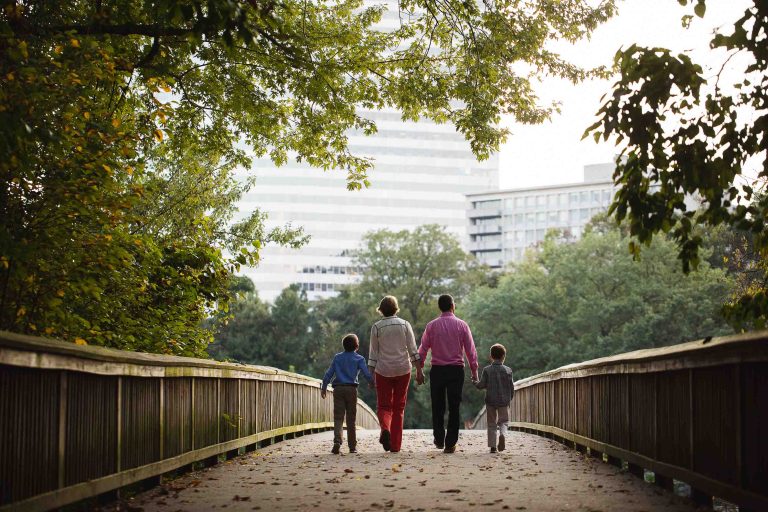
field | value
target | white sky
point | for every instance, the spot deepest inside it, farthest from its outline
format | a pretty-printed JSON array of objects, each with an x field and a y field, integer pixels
[{"x": 553, "y": 152}]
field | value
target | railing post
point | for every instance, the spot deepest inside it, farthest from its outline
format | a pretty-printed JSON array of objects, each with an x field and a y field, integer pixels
[
  {"x": 161, "y": 418},
  {"x": 239, "y": 407},
  {"x": 62, "y": 441},
  {"x": 690, "y": 420},
  {"x": 192, "y": 411},
  {"x": 656, "y": 415},
  {"x": 119, "y": 425},
  {"x": 628, "y": 412},
  {"x": 218, "y": 410},
  {"x": 739, "y": 407}
]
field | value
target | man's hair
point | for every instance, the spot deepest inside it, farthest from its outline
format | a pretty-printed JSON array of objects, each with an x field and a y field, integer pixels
[
  {"x": 444, "y": 302},
  {"x": 388, "y": 306},
  {"x": 498, "y": 352},
  {"x": 350, "y": 342}
]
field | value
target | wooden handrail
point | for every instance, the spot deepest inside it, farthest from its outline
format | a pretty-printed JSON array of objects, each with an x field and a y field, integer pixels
[
  {"x": 79, "y": 421},
  {"x": 695, "y": 412}
]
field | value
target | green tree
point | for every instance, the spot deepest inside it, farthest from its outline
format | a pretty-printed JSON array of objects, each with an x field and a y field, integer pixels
[
  {"x": 121, "y": 123},
  {"x": 247, "y": 335},
  {"x": 277, "y": 335},
  {"x": 574, "y": 302},
  {"x": 682, "y": 136},
  {"x": 416, "y": 267}
]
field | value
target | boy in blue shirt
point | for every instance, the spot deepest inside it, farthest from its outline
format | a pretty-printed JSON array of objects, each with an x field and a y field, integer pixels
[{"x": 343, "y": 372}]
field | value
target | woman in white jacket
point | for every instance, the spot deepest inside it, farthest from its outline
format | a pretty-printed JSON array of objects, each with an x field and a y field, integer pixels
[{"x": 392, "y": 355}]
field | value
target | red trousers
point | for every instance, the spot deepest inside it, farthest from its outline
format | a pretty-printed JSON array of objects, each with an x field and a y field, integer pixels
[{"x": 391, "y": 395}]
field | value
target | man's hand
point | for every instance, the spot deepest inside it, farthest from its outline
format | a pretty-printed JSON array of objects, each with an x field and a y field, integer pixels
[
  {"x": 475, "y": 378},
  {"x": 322, "y": 393},
  {"x": 419, "y": 376}
]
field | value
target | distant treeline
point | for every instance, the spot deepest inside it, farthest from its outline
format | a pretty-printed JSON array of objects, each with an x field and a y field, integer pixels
[{"x": 565, "y": 303}]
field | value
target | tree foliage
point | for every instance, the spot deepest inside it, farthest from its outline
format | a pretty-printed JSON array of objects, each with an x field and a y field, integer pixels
[
  {"x": 683, "y": 136},
  {"x": 121, "y": 123},
  {"x": 416, "y": 267},
  {"x": 575, "y": 302}
]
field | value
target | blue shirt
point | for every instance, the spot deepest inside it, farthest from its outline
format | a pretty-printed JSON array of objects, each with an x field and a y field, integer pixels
[{"x": 345, "y": 368}]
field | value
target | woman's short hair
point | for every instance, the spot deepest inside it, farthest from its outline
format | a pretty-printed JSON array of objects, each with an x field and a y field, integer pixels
[
  {"x": 498, "y": 352},
  {"x": 350, "y": 342},
  {"x": 388, "y": 306}
]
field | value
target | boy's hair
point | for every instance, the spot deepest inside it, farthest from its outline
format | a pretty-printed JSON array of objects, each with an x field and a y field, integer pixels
[
  {"x": 388, "y": 306},
  {"x": 350, "y": 342},
  {"x": 498, "y": 351},
  {"x": 444, "y": 302}
]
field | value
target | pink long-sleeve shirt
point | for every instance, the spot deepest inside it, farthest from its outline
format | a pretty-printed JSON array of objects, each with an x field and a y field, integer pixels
[{"x": 450, "y": 339}]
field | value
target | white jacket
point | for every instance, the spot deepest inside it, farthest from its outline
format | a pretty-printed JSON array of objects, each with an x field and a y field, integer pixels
[{"x": 393, "y": 347}]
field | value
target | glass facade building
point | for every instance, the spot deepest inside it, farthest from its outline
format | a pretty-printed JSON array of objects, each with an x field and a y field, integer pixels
[
  {"x": 503, "y": 224},
  {"x": 421, "y": 174}
]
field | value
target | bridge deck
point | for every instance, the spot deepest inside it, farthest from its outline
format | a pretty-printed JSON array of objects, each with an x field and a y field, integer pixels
[{"x": 534, "y": 474}]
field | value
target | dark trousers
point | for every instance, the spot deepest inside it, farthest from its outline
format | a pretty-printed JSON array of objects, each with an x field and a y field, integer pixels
[
  {"x": 446, "y": 382},
  {"x": 345, "y": 404}
]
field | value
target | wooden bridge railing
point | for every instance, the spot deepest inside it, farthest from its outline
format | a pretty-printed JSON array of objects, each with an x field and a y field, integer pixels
[
  {"x": 695, "y": 412},
  {"x": 79, "y": 421}
]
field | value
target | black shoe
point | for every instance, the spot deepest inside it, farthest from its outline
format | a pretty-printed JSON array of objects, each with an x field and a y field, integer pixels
[
  {"x": 493, "y": 450},
  {"x": 502, "y": 444},
  {"x": 439, "y": 446},
  {"x": 336, "y": 449},
  {"x": 384, "y": 440},
  {"x": 450, "y": 449},
  {"x": 353, "y": 450}
]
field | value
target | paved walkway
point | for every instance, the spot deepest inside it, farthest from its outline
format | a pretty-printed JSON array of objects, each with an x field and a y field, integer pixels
[{"x": 534, "y": 474}]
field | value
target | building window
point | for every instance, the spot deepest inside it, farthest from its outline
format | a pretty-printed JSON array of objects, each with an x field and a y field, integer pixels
[
  {"x": 541, "y": 200},
  {"x": 529, "y": 201},
  {"x": 552, "y": 218},
  {"x": 607, "y": 196},
  {"x": 552, "y": 200},
  {"x": 518, "y": 202},
  {"x": 584, "y": 197},
  {"x": 584, "y": 214},
  {"x": 563, "y": 198},
  {"x": 563, "y": 217},
  {"x": 541, "y": 217},
  {"x": 530, "y": 218},
  {"x": 529, "y": 236},
  {"x": 595, "y": 196},
  {"x": 574, "y": 198}
]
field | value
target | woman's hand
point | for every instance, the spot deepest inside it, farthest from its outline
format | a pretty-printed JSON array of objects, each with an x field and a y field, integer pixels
[{"x": 419, "y": 376}]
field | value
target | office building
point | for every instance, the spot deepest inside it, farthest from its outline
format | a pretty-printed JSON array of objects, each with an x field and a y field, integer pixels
[
  {"x": 503, "y": 224},
  {"x": 421, "y": 175}
]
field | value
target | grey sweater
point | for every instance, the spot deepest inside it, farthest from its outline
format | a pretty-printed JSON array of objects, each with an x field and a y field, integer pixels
[{"x": 498, "y": 383}]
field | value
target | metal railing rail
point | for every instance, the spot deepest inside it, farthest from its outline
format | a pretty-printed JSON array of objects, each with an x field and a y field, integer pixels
[
  {"x": 80, "y": 421},
  {"x": 696, "y": 412}
]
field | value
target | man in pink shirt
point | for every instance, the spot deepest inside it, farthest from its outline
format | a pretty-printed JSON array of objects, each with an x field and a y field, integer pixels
[{"x": 449, "y": 339}]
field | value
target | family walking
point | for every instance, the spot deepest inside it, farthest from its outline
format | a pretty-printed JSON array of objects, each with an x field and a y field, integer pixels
[{"x": 393, "y": 354}]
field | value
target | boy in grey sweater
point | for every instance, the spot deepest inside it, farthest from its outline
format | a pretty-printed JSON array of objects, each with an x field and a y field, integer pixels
[{"x": 499, "y": 390}]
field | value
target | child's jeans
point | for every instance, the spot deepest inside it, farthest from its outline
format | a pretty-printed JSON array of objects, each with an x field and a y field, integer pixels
[
  {"x": 497, "y": 418},
  {"x": 344, "y": 404}
]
